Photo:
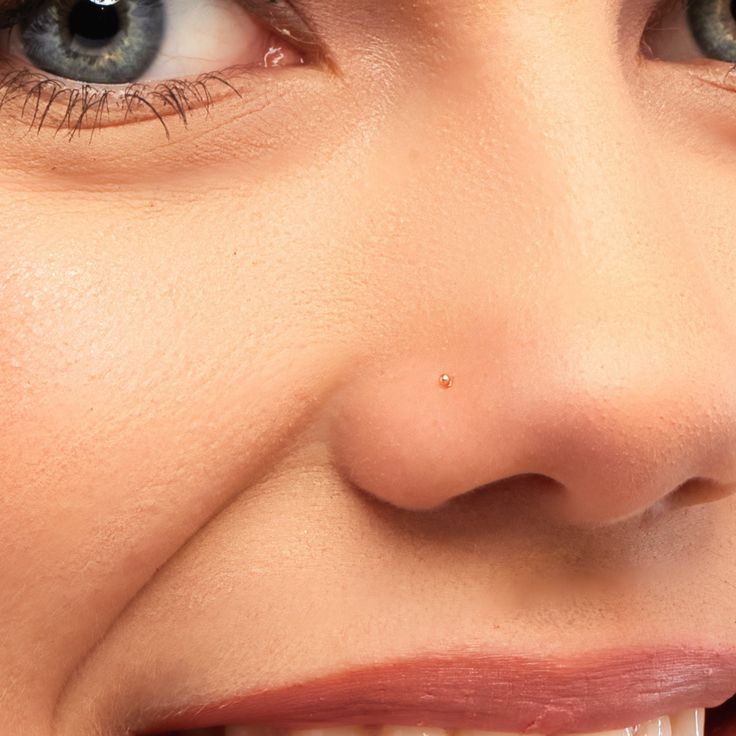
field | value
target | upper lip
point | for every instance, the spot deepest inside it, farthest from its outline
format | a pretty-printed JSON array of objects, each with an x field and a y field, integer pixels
[{"x": 497, "y": 692}]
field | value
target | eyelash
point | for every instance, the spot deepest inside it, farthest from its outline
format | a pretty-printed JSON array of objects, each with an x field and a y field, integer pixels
[
  {"x": 48, "y": 101},
  {"x": 85, "y": 107},
  {"x": 77, "y": 107}
]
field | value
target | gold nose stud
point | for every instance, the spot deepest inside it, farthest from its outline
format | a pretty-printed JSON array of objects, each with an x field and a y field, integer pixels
[{"x": 446, "y": 380}]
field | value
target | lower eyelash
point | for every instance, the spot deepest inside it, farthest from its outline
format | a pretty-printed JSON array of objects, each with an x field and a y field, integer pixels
[{"x": 46, "y": 101}]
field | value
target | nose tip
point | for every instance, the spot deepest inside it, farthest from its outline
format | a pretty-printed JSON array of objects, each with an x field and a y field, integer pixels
[{"x": 617, "y": 442}]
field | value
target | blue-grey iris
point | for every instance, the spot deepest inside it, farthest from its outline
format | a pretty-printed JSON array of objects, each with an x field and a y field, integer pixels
[
  {"x": 102, "y": 41},
  {"x": 713, "y": 27}
]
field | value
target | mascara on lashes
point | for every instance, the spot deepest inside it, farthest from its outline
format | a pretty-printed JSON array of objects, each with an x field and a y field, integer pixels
[{"x": 76, "y": 106}]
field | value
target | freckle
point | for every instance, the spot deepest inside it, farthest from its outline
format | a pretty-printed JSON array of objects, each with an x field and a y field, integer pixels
[{"x": 446, "y": 380}]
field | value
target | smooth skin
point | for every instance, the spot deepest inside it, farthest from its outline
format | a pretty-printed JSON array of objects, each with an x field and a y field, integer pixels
[{"x": 227, "y": 459}]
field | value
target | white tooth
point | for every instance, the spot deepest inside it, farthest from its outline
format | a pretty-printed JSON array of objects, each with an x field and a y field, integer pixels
[
  {"x": 690, "y": 722},
  {"x": 617, "y": 732},
  {"x": 656, "y": 727},
  {"x": 411, "y": 731}
]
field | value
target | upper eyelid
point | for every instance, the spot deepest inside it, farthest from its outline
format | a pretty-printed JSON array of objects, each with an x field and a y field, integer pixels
[
  {"x": 10, "y": 10},
  {"x": 283, "y": 18}
]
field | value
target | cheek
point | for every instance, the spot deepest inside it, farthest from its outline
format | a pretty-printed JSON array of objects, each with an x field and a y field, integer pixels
[
  {"x": 708, "y": 201},
  {"x": 702, "y": 192},
  {"x": 693, "y": 141},
  {"x": 144, "y": 381}
]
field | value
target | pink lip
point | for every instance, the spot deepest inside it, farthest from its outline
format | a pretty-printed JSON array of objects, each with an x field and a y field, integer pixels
[{"x": 490, "y": 692}]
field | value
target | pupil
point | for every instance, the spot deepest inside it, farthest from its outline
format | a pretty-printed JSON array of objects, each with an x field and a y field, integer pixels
[{"x": 92, "y": 24}]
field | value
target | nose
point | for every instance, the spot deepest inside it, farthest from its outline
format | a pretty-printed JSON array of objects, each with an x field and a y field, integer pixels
[
  {"x": 553, "y": 325},
  {"x": 619, "y": 425}
]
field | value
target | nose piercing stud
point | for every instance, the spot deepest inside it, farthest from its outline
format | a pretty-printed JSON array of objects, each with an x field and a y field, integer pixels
[{"x": 446, "y": 380}]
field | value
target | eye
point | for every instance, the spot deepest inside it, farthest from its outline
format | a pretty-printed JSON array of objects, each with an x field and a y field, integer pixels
[
  {"x": 114, "y": 59},
  {"x": 118, "y": 41},
  {"x": 685, "y": 30}
]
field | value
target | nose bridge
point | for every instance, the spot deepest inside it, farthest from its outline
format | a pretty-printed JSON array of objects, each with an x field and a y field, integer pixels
[
  {"x": 570, "y": 218},
  {"x": 559, "y": 159},
  {"x": 578, "y": 346},
  {"x": 575, "y": 149}
]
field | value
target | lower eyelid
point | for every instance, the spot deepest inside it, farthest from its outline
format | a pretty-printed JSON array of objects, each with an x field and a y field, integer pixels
[{"x": 40, "y": 101}]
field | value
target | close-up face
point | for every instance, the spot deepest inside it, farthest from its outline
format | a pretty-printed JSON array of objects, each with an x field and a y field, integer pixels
[{"x": 367, "y": 367}]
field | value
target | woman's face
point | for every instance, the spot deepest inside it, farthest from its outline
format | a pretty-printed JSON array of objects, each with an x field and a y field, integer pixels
[{"x": 229, "y": 459}]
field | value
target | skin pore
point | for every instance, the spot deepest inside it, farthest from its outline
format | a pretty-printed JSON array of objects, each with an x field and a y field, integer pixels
[{"x": 227, "y": 459}]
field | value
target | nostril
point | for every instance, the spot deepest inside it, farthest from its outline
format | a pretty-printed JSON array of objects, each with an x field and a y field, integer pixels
[{"x": 698, "y": 491}]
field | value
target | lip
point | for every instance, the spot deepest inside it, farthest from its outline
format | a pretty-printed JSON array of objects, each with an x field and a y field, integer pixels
[{"x": 495, "y": 692}]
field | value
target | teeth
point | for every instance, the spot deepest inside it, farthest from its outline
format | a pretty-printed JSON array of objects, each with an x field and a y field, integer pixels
[
  {"x": 411, "y": 731},
  {"x": 689, "y": 722},
  {"x": 658, "y": 727}
]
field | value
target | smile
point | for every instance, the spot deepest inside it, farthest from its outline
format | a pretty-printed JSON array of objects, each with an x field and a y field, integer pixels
[
  {"x": 687, "y": 723},
  {"x": 659, "y": 692}
]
